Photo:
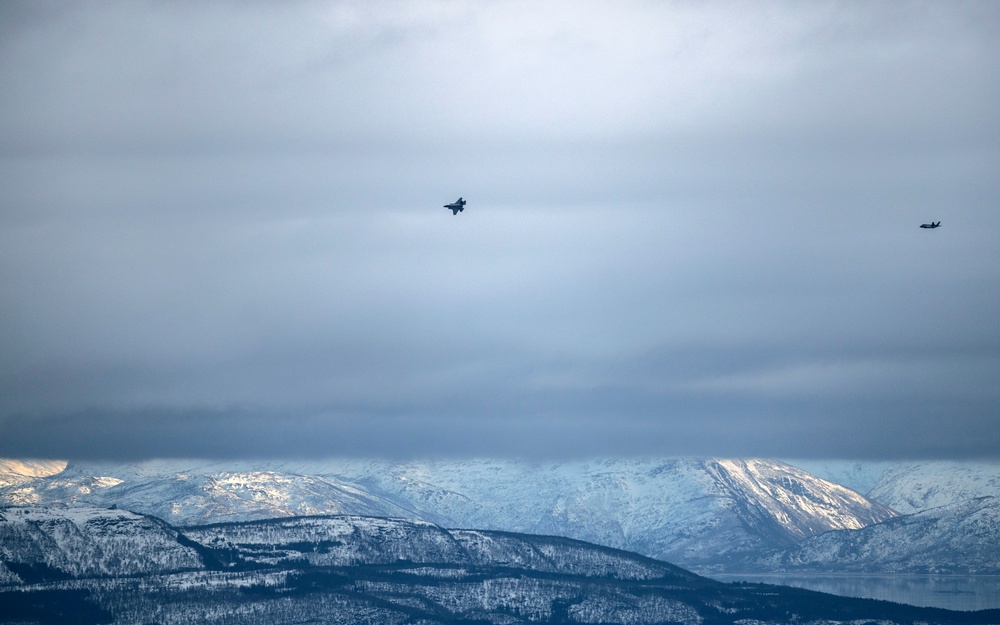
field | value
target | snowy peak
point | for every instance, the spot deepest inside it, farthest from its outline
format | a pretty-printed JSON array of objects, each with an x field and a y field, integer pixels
[
  {"x": 960, "y": 538},
  {"x": 14, "y": 472},
  {"x": 784, "y": 501}
]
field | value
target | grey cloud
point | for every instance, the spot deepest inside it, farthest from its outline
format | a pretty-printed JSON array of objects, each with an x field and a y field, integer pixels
[
  {"x": 695, "y": 232},
  {"x": 588, "y": 425}
]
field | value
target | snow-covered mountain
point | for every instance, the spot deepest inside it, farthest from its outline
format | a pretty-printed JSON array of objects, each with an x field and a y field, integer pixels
[
  {"x": 708, "y": 514},
  {"x": 694, "y": 511},
  {"x": 915, "y": 486},
  {"x": 959, "y": 538},
  {"x": 347, "y": 570},
  {"x": 860, "y": 476},
  {"x": 951, "y": 522},
  {"x": 909, "y": 487},
  {"x": 87, "y": 542},
  {"x": 183, "y": 493},
  {"x": 14, "y": 472},
  {"x": 691, "y": 511}
]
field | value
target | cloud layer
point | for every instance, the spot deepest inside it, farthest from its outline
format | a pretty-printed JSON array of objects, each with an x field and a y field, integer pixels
[{"x": 692, "y": 229}]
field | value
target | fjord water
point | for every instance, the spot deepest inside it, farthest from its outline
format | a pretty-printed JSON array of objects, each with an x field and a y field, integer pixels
[{"x": 953, "y": 592}]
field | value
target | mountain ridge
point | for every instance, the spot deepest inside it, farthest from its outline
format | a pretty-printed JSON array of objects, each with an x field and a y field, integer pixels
[
  {"x": 348, "y": 569},
  {"x": 711, "y": 515},
  {"x": 954, "y": 539},
  {"x": 699, "y": 512}
]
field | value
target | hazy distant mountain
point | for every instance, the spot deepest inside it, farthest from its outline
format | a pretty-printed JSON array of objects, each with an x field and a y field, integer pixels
[
  {"x": 692, "y": 511},
  {"x": 909, "y": 487},
  {"x": 915, "y": 486},
  {"x": 856, "y": 475},
  {"x": 14, "y": 472},
  {"x": 340, "y": 570},
  {"x": 184, "y": 493},
  {"x": 699, "y": 512},
  {"x": 960, "y": 538}
]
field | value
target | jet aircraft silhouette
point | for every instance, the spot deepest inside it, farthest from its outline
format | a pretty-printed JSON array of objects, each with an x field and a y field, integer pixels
[
  {"x": 933, "y": 224},
  {"x": 456, "y": 207}
]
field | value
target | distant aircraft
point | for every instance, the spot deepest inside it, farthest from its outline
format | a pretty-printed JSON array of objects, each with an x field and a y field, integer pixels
[
  {"x": 933, "y": 224},
  {"x": 456, "y": 207}
]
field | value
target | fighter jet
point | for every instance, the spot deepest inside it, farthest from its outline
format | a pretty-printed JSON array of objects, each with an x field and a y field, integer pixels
[
  {"x": 933, "y": 224},
  {"x": 456, "y": 207}
]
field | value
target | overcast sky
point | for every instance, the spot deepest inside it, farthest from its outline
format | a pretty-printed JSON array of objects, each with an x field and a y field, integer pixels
[{"x": 692, "y": 229}]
